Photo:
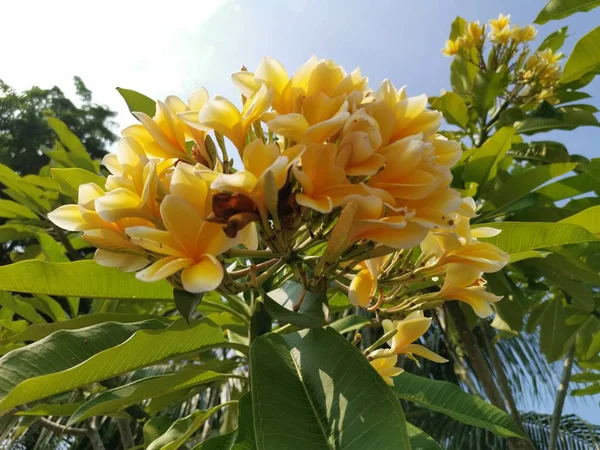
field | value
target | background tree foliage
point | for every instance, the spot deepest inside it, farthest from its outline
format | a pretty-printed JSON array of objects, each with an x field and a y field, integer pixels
[
  {"x": 25, "y": 136},
  {"x": 93, "y": 358}
]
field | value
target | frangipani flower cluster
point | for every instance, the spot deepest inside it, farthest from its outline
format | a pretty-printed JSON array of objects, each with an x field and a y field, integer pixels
[
  {"x": 336, "y": 185},
  {"x": 535, "y": 75}
]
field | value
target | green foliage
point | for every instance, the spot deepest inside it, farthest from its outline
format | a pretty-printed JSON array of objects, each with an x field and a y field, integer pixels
[
  {"x": 24, "y": 129},
  {"x": 312, "y": 401},
  {"x": 559, "y": 9}
]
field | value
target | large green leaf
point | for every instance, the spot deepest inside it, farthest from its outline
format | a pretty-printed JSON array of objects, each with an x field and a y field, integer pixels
[
  {"x": 63, "y": 350},
  {"x": 569, "y": 187},
  {"x": 561, "y": 118},
  {"x": 483, "y": 165},
  {"x": 70, "y": 179},
  {"x": 449, "y": 399},
  {"x": 588, "y": 219},
  {"x": 39, "y": 331},
  {"x": 517, "y": 186},
  {"x": 313, "y": 389},
  {"x": 137, "y": 102},
  {"x": 41, "y": 377},
  {"x": 119, "y": 398},
  {"x": 559, "y": 9},
  {"x": 520, "y": 236},
  {"x": 585, "y": 57},
  {"x": 182, "y": 429},
  {"x": 80, "y": 279}
]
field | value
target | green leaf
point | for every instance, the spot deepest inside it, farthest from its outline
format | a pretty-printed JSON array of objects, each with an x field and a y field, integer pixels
[
  {"x": 80, "y": 279},
  {"x": 561, "y": 118},
  {"x": 70, "y": 179},
  {"x": 313, "y": 389},
  {"x": 585, "y": 57},
  {"x": 39, "y": 331},
  {"x": 555, "y": 334},
  {"x": 63, "y": 350},
  {"x": 583, "y": 297},
  {"x": 182, "y": 429},
  {"x": 559, "y": 9},
  {"x": 50, "y": 409},
  {"x": 137, "y": 102},
  {"x": 520, "y": 236},
  {"x": 186, "y": 302},
  {"x": 462, "y": 76},
  {"x": 541, "y": 151},
  {"x": 453, "y": 108},
  {"x": 524, "y": 182},
  {"x": 312, "y": 312},
  {"x": 588, "y": 219},
  {"x": 590, "y": 390},
  {"x": 55, "y": 370},
  {"x": 13, "y": 210},
  {"x": 554, "y": 41},
  {"x": 123, "y": 396},
  {"x": 569, "y": 187},
  {"x": 350, "y": 323},
  {"x": 585, "y": 377},
  {"x": 449, "y": 399},
  {"x": 20, "y": 307},
  {"x": 458, "y": 28},
  {"x": 483, "y": 165},
  {"x": 419, "y": 440},
  {"x": 488, "y": 87}
]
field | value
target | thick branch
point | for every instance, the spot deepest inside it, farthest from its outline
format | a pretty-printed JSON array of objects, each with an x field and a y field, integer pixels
[
  {"x": 90, "y": 433},
  {"x": 125, "y": 432},
  {"x": 561, "y": 395}
]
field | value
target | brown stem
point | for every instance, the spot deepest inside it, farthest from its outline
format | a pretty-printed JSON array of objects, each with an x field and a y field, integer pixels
[
  {"x": 503, "y": 383},
  {"x": 125, "y": 432},
  {"x": 90, "y": 433},
  {"x": 561, "y": 395},
  {"x": 482, "y": 369}
]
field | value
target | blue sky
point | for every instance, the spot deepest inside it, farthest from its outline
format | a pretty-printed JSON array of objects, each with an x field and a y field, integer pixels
[{"x": 163, "y": 48}]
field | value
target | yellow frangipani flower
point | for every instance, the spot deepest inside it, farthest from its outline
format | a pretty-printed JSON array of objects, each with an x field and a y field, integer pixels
[
  {"x": 165, "y": 135},
  {"x": 324, "y": 183},
  {"x": 134, "y": 184},
  {"x": 114, "y": 249},
  {"x": 386, "y": 368},
  {"x": 189, "y": 243},
  {"x": 222, "y": 116},
  {"x": 475, "y": 33},
  {"x": 501, "y": 36},
  {"x": 475, "y": 296},
  {"x": 258, "y": 159},
  {"x": 374, "y": 220},
  {"x": 360, "y": 141},
  {"x": 499, "y": 24},
  {"x": 321, "y": 118},
  {"x": 409, "y": 114},
  {"x": 524, "y": 34},
  {"x": 408, "y": 331},
  {"x": 364, "y": 284},
  {"x": 452, "y": 47}
]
